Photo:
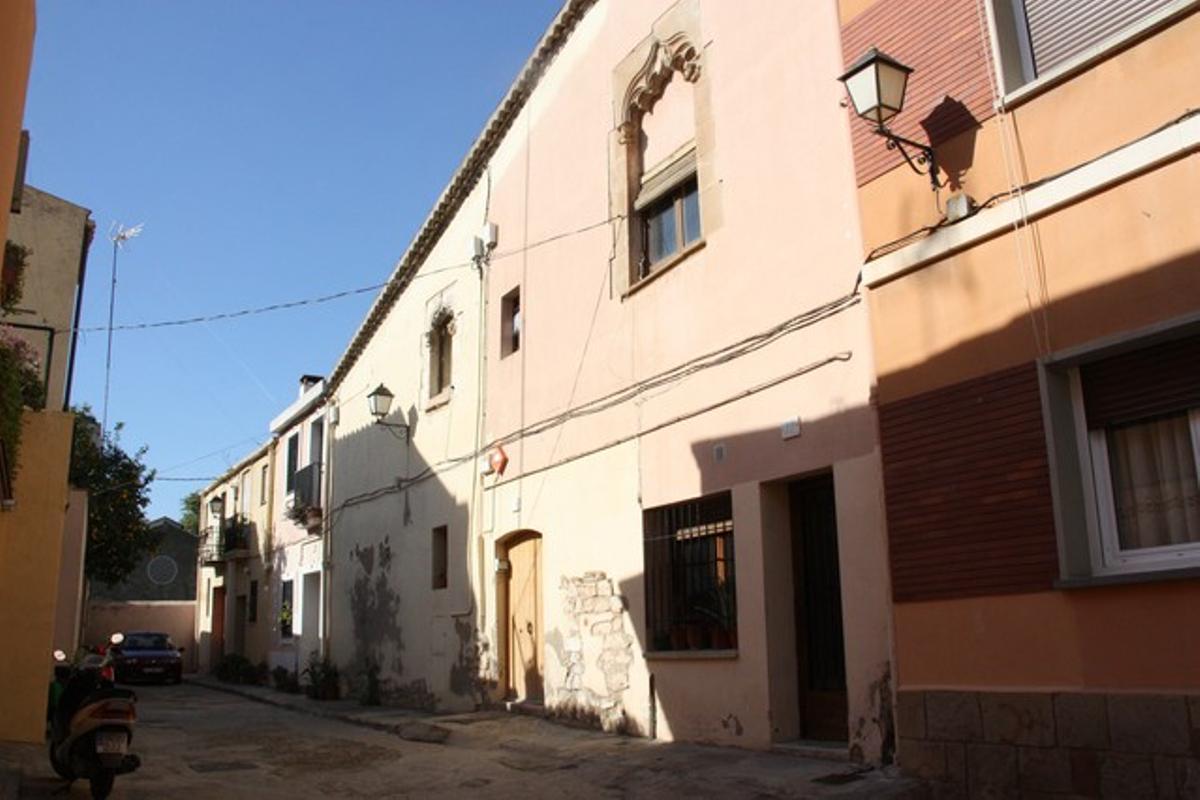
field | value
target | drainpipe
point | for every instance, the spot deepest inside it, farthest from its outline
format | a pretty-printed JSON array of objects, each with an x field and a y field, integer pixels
[{"x": 332, "y": 414}]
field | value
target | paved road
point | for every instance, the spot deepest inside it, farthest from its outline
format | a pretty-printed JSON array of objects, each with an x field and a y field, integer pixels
[{"x": 196, "y": 742}]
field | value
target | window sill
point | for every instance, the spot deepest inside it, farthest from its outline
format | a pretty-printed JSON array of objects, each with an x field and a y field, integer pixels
[
  {"x": 665, "y": 266},
  {"x": 691, "y": 655},
  {"x": 1124, "y": 578},
  {"x": 1101, "y": 51},
  {"x": 438, "y": 400}
]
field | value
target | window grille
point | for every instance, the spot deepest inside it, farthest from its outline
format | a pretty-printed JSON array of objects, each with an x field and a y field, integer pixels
[{"x": 691, "y": 597}]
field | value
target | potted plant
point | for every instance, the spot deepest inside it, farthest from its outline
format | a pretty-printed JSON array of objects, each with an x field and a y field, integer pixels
[{"x": 716, "y": 607}]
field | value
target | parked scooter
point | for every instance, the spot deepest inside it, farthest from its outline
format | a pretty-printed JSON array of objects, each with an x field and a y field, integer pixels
[{"x": 91, "y": 724}]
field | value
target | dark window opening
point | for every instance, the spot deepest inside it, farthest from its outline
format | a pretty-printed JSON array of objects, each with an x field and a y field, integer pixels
[
  {"x": 252, "y": 603},
  {"x": 691, "y": 588},
  {"x": 510, "y": 322},
  {"x": 286, "y": 610},
  {"x": 441, "y": 553},
  {"x": 293, "y": 459},
  {"x": 441, "y": 338}
]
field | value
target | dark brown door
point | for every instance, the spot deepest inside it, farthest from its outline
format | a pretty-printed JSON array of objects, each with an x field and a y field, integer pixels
[
  {"x": 820, "y": 648},
  {"x": 218, "y": 624}
]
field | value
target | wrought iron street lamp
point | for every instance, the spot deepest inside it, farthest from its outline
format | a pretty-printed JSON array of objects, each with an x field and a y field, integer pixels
[
  {"x": 379, "y": 402},
  {"x": 876, "y": 83}
]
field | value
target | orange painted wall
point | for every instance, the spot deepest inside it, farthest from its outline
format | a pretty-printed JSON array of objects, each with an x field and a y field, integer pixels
[
  {"x": 1099, "y": 639},
  {"x": 31, "y": 539},
  {"x": 17, "y": 23}
]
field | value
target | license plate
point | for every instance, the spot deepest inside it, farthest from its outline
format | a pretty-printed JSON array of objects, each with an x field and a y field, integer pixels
[
  {"x": 149, "y": 670},
  {"x": 111, "y": 742}
]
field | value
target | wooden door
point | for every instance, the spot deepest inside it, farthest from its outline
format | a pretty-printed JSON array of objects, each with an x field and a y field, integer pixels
[
  {"x": 820, "y": 646},
  {"x": 218, "y": 624},
  {"x": 524, "y": 594}
]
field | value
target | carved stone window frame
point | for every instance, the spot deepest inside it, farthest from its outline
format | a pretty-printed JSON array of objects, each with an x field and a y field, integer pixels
[{"x": 639, "y": 80}]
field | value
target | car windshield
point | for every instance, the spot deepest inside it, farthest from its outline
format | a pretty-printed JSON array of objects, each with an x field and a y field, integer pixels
[{"x": 147, "y": 641}]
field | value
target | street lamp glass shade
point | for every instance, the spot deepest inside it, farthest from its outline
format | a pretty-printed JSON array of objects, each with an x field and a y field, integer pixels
[
  {"x": 216, "y": 506},
  {"x": 380, "y": 401},
  {"x": 876, "y": 84}
]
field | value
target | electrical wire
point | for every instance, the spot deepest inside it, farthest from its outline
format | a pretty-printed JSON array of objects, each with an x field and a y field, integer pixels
[
  {"x": 310, "y": 301},
  {"x": 690, "y": 367}
]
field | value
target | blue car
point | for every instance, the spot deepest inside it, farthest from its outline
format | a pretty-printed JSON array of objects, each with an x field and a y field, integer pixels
[{"x": 148, "y": 656}]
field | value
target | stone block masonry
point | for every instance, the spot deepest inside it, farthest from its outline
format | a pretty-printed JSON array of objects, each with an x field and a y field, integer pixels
[
  {"x": 1052, "y": 744},
  {"x": 596, "y": 615}
]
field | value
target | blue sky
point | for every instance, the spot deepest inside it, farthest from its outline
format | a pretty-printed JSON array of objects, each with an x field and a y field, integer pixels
[{"x": 275, "y": 151}]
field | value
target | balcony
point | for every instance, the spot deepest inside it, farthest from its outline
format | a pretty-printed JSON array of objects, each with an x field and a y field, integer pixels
[
  {"x": 305, "y": 508},
  {"x": 232, "y": 541}
]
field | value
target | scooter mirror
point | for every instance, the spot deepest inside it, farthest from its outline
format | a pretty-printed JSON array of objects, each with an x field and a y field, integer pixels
[
  {"x": 59, "y": 655},
  {"x": 117, "y": 638}
]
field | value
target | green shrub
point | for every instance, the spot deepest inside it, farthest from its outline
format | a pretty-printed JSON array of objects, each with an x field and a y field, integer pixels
[
  {"x": 322, "y": 675},
  {"x": 233, "y": 668},
  {"x": 285, "y": 680}
]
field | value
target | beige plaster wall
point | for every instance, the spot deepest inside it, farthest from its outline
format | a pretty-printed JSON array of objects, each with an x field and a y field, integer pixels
[
  {"x": 383, "y": 608},
  {"x": 57, "y": 232},
  {"x": 31, "y": 537}
]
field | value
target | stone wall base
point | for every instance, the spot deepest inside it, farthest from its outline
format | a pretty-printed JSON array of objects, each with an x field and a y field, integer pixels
[{"x": 1051, "y": 744}]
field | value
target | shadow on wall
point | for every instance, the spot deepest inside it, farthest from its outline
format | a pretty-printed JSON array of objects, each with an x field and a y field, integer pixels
[
  {"x": 951, "y": 129},
  {"x": 405, "y": 625},
  {"x": 714, "y": 694}
]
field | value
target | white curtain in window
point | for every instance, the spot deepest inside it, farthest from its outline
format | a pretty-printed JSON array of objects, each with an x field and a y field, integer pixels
[{"x": 1155, "y": 490}]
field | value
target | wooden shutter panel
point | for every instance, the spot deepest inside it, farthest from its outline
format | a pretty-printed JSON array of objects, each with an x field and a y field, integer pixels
[
  {"x": 1161, "y": 379},
  {"x": 1059, "y": 30}
]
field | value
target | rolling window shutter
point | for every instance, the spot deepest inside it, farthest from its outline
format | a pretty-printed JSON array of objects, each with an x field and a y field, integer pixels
[
  {"x": 663, "y": 179},
  {"x": 1059, "y": 30},
  {"x": 1161, "y": 379}
]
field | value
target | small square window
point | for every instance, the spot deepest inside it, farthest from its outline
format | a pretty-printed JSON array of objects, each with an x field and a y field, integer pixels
[
  {"x": 440, "y": 561},
  {"x": 510, "y": 322}
]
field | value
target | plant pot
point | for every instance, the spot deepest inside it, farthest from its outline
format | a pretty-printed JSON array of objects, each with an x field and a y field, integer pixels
[
  {"x": 679, "y": 640},
  {"x": 721, "y": 638}
]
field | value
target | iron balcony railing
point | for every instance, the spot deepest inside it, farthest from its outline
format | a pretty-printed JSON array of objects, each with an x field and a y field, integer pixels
[{"x": 227, "y": 542}]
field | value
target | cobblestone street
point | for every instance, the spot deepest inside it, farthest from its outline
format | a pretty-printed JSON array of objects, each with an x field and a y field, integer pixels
[{"x": 195, "y": 741}]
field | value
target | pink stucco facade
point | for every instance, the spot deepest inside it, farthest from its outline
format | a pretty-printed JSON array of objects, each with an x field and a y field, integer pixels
[{"x": 779, "y": 238}]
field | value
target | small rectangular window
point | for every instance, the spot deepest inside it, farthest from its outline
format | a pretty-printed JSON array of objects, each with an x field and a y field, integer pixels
[
  {"x": 441, "y": 557},
  {"x": 293, "y": 461},
  {"x": 286, "y": 609},
  {"x": 252, "y": 603},
  {"x": 263, "y": 485},
  {"x": 510, "y": 322},
  {"x": 441, "y": 339},
  {"x": 670, "y": 224}
]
